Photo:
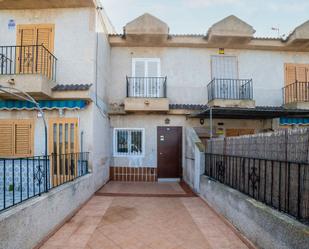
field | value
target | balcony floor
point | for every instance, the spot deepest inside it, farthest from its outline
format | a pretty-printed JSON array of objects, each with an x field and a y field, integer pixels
[{"x": 150, "y": 222}]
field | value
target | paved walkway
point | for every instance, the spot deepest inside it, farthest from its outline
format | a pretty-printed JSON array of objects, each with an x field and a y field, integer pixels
[{"x": 151, "y": 222}]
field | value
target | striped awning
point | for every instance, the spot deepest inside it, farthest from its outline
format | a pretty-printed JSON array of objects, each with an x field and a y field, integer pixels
[
  {"x": 44, "y": 104},
  {"x": 294, "y": 121}
]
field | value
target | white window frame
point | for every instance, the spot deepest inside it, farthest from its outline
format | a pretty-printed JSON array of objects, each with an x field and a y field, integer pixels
[
  {"x": 225, "y": 56},
  {"x": 134, "y": 60},
  {"x": 116, "y": 154},
  {"x": 145, "y": 61}
]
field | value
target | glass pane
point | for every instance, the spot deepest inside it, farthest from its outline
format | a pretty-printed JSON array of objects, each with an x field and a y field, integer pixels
[
  {"x": 66, "y": 148},
  {"x": 55, "y": 148},
  {"x": 153, "y": 69},
  {"x": 72, "y": 138},
  {"x": 72, "y": 148},
  {"x": 66, "y": 137},
  {"x": 139, "y": 69},
  {"x": 122, "y": 141},
  {"x": 61, "y": 147},
  {"x": 136, "y": 142}
]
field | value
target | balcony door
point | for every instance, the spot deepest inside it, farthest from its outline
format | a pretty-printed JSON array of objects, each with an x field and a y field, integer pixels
[
  {"x": 31, "y": 56},
  {"x": 224, "y": 70},
  {"x": 63, "y": 148},
  {"x": 296, "y": 82},
  {"x": 224, "y": 67},
  {"x": 145, "y": 72}
]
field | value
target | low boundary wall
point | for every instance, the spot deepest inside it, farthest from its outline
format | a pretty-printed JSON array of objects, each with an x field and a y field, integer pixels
[
  {"x": 262, "y": 225},
  {"x": 27, "y": 224}
]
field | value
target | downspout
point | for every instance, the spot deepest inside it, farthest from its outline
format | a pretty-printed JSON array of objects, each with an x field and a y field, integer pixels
[
  {"x": 96, "y": 59},
  {"x": 96, "y": 63}
]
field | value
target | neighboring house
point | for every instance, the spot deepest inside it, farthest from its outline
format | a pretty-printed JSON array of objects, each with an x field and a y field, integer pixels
[
  {"x": 58, "y": 52},
  {"x": 162, "y": 83}
]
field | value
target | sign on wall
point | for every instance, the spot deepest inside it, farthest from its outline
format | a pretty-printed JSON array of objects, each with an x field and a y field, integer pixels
[{"x": 11, "y": 24}]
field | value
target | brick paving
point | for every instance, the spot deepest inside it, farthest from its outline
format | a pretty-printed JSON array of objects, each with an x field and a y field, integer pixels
[{"x": 145, "y": 222}]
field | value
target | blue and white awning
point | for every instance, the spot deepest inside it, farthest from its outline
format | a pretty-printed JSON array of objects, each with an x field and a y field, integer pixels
[
  {"x": 44, "y": 104},
  {"x": 294, "y": 121}
]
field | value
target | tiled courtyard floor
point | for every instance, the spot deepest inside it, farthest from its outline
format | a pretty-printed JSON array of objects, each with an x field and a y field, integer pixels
[{"x": 135, "y": 222}]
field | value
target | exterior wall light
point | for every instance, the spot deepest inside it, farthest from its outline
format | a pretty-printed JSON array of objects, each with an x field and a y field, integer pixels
[
  {"x": 167, "y": 121},
  {"x": 202, "y": 121},
  {"x": 61, "y": 113}
]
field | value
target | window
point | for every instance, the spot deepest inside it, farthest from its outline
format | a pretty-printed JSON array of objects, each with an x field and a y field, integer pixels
[
  {"x": 146, "y": 67},
  {"x": 30, "y": 57},
  {"x": 16, "y": 138},
  {"x": 63, "y": 141},
  {"x": 224, "y": 67},
  {"x": 146, "y": 73},
  {"x": 129, "y": 142},
  {"x": 296, "y": 73}
]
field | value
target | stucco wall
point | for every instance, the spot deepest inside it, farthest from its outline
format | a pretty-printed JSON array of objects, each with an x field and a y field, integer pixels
[
  {"x": 264, "y": 226},
  {"x": 74, "y": 43},
  {"x": 25, "y": 225},
  {"x": 150, "y": 123},
  {"x": 102, "y": 57},
  {"x": 188, "y": 71}
]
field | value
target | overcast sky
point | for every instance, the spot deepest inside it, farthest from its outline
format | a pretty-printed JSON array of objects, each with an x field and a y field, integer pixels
[{"x": 196, "y": 16}]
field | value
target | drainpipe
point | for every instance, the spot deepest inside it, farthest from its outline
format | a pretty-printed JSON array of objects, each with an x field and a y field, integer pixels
[
  {"x": 210, "y": 123},
  {"x": 96, "y": 60}
]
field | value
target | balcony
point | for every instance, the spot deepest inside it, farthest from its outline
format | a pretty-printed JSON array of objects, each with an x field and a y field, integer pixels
[
  {"x": 45, "y": 4},
  {"x": 30, "y": 68},
  {"x": 296, "y": 95},
  {"x": 146, "y": 94},
  {"x": 230, "y": 93}
]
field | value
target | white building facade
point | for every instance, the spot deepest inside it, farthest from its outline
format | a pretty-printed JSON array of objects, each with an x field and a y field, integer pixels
[{"x": 162, "y": 84}]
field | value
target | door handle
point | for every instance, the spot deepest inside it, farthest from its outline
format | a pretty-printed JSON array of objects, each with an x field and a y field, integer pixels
[{"x": 161, "y": 153}]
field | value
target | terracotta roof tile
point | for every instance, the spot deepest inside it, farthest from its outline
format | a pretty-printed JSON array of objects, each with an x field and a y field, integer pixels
[{"x": 72, "y": 87}]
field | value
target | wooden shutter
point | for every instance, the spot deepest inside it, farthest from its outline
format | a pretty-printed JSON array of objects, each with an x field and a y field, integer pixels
[
  {"x": 6, "y": 138},
  {"x": 45, "y": 37},
  {"x": 26, "y": 37},
  {"x": 23, "y": 138},
  {"x": 301, "y": 73},
  {"x": 33, "y": 59},
  {"x": 290, "y": 74},
  {"x": 296, "y": 72},
  {"x": 16, "y": 138}
]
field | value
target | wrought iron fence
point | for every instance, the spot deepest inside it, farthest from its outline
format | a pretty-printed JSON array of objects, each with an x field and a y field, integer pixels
[
  {"x": 27, "y": 59},
  {"x": 25, "y": 178},
  {"x": 296, "y": 92},
  {"x": 237, "y": 89},
  {"x": 282, "y": 185},
  {"x": 146, "y": 87}
]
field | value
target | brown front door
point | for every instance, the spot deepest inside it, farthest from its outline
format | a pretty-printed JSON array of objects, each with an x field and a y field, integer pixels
[{"x": 169, "y": 142}]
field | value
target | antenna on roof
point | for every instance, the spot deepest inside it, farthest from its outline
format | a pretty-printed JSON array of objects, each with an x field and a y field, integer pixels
[{"x": 276, "y": 29}]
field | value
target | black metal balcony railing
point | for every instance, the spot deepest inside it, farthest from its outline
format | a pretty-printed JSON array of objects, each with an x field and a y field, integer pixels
[
  {"x": 296, "y": 92},
  {"x": 146, "y": 87},
  {"x": 28, "y": 59},
  {"x": 24, "y": 178},
  {"x": 237, "y": 89},
  {"x": 283, "y": 185}
]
